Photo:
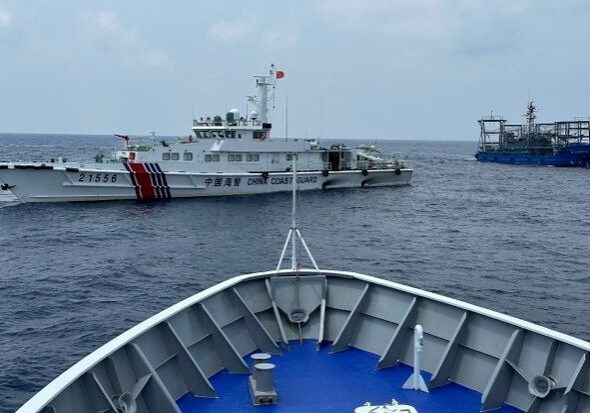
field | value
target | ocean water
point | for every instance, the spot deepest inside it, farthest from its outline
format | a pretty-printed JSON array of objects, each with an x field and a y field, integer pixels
[{"x": 73, "y": 276}]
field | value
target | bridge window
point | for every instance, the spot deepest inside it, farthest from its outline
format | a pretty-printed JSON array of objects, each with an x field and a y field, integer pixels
[
  {"x": 175, "y": 156},
  {"x": 212, "y": 158},
  {"x": 206, "y": 134},
  {"x": 289, "y": 157},
  {"x": 252, "y": 157},
  {"x": 187, "y": 156},
  {"x": 259, "y": 135},
  {"x": 166, "y": 156}
]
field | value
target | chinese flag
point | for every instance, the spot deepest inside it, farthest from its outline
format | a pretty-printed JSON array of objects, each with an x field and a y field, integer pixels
[{"x": 279, "y": 74}]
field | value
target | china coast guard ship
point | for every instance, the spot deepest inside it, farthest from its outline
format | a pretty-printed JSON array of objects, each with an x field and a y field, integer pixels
[
  {"x": 319, "y": 340},
  {"x": 228, "y": 155},
  {"x": 563, "y": 143}
]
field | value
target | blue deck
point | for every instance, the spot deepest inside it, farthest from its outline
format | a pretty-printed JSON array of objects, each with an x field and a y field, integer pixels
[{"x": 308, "y": 380}]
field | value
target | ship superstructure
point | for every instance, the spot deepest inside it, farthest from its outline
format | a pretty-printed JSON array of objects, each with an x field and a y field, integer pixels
[
  {"x": 562, "y": 143},
  {"x": 225, "y": 155}
]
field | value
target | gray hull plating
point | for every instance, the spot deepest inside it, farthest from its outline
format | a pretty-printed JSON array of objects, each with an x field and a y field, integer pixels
[{"x": 177, "y": 350}]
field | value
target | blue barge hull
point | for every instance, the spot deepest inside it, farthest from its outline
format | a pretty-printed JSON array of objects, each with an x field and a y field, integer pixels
[{"x": 572, "y": 157}]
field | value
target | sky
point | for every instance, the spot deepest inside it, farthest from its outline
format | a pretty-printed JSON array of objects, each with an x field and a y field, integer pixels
[{"x": 376, "y": 69}]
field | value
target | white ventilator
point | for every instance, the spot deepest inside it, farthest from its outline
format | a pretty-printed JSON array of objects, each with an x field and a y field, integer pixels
[{"x": 415, "y": 381}]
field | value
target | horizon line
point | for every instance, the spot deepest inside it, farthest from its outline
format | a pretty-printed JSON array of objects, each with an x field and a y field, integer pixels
[{"x": 147, "y": 135}]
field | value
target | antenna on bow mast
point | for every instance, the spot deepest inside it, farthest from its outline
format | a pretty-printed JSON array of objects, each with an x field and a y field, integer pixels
[{"x": 294, "y": 236}]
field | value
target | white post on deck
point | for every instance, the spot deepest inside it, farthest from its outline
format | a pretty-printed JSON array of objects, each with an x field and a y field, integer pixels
[{"x": 415, "y": 381}]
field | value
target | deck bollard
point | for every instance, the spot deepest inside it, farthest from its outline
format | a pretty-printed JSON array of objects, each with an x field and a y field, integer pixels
[
  {"x": 258, "y": 358},
  {"x": 261, "y": 383}
]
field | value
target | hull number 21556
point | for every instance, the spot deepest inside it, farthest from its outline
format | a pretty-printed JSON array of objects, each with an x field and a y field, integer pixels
[{"x": 97, "y": 177}]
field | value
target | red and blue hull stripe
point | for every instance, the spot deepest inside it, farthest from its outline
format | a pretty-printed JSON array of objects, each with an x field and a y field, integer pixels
[{"x": 149, "y": 181}]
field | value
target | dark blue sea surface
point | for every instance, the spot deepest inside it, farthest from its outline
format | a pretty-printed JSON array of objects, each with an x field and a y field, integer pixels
[{"x": 73, "y": 276}]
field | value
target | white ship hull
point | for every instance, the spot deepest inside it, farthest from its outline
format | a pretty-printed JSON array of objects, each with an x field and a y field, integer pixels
[{"x": 147, "y": 181}]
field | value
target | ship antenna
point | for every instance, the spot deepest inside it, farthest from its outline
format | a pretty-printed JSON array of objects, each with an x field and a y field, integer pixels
[
  {"x": 321, "y": 116},
  {"x": 286, "y": 116},
  {"x": 294, "y": 234},
  {"x": 294, "y": 215}
]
